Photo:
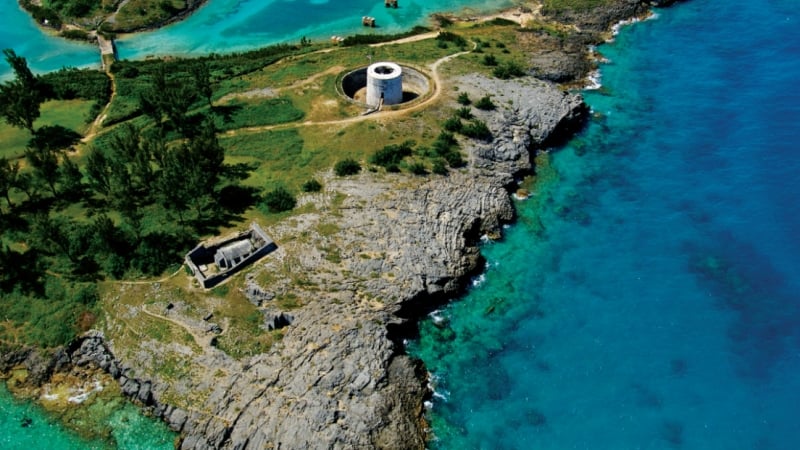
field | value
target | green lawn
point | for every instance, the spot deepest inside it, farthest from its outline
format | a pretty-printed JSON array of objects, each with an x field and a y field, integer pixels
[{"x": 67, "y": 113}]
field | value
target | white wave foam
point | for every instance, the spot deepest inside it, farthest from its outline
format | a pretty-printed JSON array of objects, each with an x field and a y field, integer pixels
[
  {"x": 80, "y": 398},
  {"x": 594, "y": 81},
  {"x": 438, "y": 318},
  {"x": 617, "y": 26}
]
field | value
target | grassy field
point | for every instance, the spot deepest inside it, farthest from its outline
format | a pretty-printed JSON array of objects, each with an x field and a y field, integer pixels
[
  {"x": 136, "y": 14},
  {"x": 575, "y": 5},
  {"x": 71, "y": 114}
]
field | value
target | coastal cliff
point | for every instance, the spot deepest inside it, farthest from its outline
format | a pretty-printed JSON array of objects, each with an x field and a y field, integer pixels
[{"x": 339, "y": 377}]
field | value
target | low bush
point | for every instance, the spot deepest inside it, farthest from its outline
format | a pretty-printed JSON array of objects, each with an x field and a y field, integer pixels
[
  {"x": 77, "y": 35},
  {"x": 417, "y": 168},
  {"x": 508, "y": 70},
  {"x": 453, "y": 124},
  {"x": 366, "y": 39},
  {"x": 477, "y": 130},
  {"x": 485, "y": 103},
  {"x": 311, "y": 185},
  {"x": 347, "y": 167},
  {"x": 439, "y": 168},
  {"x": 455, "y": 39},
  {"x": 464, "y": 113},
  {"x": 279, "y": 200},
  {"x": 391, "y": 155}
]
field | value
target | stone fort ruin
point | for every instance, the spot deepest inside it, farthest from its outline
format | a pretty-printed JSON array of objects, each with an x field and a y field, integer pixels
[{"x": 213, "y": 262}]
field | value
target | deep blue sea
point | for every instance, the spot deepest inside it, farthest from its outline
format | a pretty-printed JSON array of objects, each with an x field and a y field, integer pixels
[{"x": 649, "y": 295}]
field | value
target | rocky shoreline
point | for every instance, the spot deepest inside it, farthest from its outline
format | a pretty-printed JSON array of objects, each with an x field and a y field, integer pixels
[{"x": 339, "y": 378}]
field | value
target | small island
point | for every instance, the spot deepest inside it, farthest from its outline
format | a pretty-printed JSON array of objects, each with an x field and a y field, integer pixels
[{"x": 372, "y": 212}]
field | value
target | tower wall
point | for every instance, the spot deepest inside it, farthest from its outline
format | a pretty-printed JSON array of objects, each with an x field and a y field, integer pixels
[{"x": 384, "y": 80}]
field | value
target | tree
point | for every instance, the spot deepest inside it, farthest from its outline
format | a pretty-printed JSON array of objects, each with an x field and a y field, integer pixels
[
  {"x": 98, "y": 171},
  {"x": 170, "y": 99},
  {"x": 202, "y": 77},
  {"x": 44, "y": 161},
  {"x": 9, "y": 173},
  {"x": 71, "y": 178},
  {"x": 21, "y": 98}
]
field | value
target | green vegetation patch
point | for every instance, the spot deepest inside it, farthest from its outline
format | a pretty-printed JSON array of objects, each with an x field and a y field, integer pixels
[
  {"x": 48, "y": 318},
  {"x": 138, "y": 14},
  {"x": 555, "y": 6},
  {"x": 250, "y": 113},
  {"x": 70, "y": 114},
  {"x": 364, "y": 39}
]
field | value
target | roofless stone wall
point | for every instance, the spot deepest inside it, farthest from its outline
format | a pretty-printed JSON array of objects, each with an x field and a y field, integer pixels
[{"x": 216, "y": 262}]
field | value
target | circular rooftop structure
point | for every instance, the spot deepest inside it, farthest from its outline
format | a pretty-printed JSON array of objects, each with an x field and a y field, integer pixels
[
  {"x": 398, "y": 85},
  {"x": 384, "y": 84}
]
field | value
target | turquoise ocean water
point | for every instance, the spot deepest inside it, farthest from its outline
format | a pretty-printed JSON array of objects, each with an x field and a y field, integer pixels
[
  {"x": 26, "y": 426},
  {"x": 649, "y": 296}
]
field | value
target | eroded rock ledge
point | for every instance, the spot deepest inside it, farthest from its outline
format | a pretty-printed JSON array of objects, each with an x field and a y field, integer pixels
[{"x": 339, "y": 377}]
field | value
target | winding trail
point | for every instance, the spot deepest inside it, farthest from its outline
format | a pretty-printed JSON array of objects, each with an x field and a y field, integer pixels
[
  {"x": 203, "y": 342},
  {"x": 160, "y": 280}
]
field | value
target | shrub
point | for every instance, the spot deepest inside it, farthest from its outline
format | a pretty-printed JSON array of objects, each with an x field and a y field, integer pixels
[
  {"x": 391, "y": 155},
  {"x": 443, "y": 21},
  {"x": 457, "y": 40},
  {"x": 346, "y": 167},
  {"x": 477, "y": 130},
  {"x": 489, "y": 60},
  {"x": 464, "y": 113},
  {"x": 508, "y": 70},
  {"x": 446, "y": 139},
  {"x": 311, "y": 185},
  {"x": 439, "y": 168},
  {"x": 279, "y": 200},
  {"x": 499, "y": 21},
  {"x": 463, "y": 99},
  {"x": 485, "y": 103},
  {"x": 78, "y": 35},
  {"x": 454, "y": 158},
  {"x": 453, "y": 124},
  {"x": 417, "y": 168},
  {"x": 446, "y": 147},
  {"x": 364, "y": 39}
]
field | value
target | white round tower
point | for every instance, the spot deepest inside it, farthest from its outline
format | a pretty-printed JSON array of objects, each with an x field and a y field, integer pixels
[{"x": 384, "y": 81}]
